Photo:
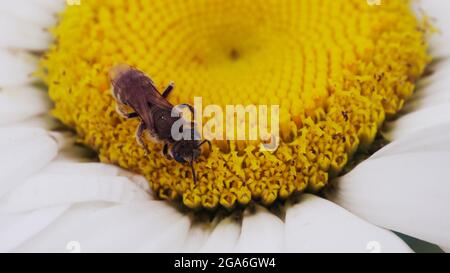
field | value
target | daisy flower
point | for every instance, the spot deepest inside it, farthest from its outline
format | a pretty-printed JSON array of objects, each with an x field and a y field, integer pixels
[{"x": 364, "y": 128}]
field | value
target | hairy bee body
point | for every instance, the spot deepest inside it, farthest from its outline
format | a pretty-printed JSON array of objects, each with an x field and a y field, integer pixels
[{"x": 134, "y": 90}]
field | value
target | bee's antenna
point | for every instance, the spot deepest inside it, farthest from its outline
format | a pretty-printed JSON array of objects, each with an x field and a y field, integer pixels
[
  {"x": 194, "y": 176},
  {"x": 205, "y": 142}
]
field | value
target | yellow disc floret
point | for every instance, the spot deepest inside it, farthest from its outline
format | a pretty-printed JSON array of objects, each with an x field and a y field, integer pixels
[{"x": 337, "y": 68}]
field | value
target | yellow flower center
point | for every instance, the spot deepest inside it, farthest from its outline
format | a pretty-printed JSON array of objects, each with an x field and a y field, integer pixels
[{"x": 336, "y": 68}]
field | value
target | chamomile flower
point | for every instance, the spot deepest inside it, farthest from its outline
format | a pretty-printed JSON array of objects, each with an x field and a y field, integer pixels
[{"x": 343, "y": 72}]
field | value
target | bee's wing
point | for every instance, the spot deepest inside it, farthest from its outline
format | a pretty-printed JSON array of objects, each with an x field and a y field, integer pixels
[
  {"x": 138, "y": 85},
  {"x": 135, "y": 89},
  {"x": 154, "y": 98}
]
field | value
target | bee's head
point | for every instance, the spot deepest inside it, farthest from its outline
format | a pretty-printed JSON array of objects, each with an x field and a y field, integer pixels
[{"x": 186, "y": 151}]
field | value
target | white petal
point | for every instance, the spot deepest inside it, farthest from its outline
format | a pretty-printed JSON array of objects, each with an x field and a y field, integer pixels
[
  {"x": 317, "y": 225},
  {"x": 51, "y": 189},
  {"x": 403, "y": 188},
  {"x": 137, "y": 179},
  {"x": 44, "y": 121},
  {"x": 16, "y": 67},
  {"x": 224, "y": 237},
  {"x": 151, "y": 226},
  {"x": 65, "y": 166},
  {"x": 429, "y": 106},
  {"x": 411, "y": 123},
  {"x": 74, "y": 154},
  {"x": 70, "y": 167},
  {"x": 433, "y": 89},
  {"x": 51, "y": 5},
  {"x": 437, "y": 10},
  {"x": 433, "y": 139},
  {"x": 262, "y": 231},
  {"x": 64, "y": 139},
  {"x": 28, "y": 11},
  {"x": 23, "y": 152},
  {"x": 87, "y": 169},
  {"x": 16, "y": 33},
  {"x": 17, "y": 228},
  {"x": 198, "y": 235},
  {"x": 17, "y": 104}
]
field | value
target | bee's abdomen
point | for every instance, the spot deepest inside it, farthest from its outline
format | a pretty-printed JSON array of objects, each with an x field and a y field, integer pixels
[{"x": 163, "y": 123}]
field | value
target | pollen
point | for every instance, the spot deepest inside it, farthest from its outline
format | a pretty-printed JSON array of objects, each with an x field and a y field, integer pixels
[{"x": 337, "y": 69}]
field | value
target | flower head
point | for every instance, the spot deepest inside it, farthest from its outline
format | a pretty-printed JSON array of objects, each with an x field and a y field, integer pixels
[
  {"x": 336, "y": 68},
  {"x": 54, "y": 198}
]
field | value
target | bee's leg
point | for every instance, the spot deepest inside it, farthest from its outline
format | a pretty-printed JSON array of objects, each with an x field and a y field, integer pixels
[
  {"x": 205, "y": 141},
  {"x": 131, "y": 115},
  {"x": 191, "y": 109},
  {"x": 124, "y": 114},
  {"x": 194, "y": 175},
  {"x": 166, "y": 151},
  {"x": 168, "y": 90},
  {"x": 139, "y": 133}
]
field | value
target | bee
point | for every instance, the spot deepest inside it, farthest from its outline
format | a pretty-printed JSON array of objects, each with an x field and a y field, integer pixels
[{"x": 133, "y": 89}]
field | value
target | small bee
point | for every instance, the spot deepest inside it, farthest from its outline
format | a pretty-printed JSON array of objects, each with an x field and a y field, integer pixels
[{"x": 132, "y": 88}]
